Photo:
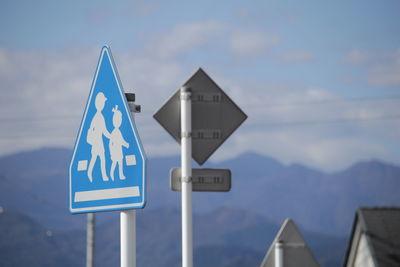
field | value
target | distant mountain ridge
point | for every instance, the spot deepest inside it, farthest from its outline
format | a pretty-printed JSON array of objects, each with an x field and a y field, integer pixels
[
  {"x": 23, "y": 242},
  {"x": 229, "y": 224},
  {"x": 224, "y": 237},
  {"x": 314, "y": 199}
]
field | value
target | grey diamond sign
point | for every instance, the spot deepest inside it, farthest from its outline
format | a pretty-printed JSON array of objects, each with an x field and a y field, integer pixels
[{"x": 214, "y": 116}]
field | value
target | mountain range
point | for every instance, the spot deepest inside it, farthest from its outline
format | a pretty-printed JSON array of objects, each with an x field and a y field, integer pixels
[
  {"x": 224, "y": 237},
  {"x": 230, "y": 229}
]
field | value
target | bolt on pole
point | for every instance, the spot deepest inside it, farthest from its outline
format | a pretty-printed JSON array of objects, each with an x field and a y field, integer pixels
[{"x": 186, "y": 162}]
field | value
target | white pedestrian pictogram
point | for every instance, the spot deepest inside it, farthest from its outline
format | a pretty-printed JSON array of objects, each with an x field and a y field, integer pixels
[
  {"x": 116, "y": 143},
  {"x": 95, "y": 137}
]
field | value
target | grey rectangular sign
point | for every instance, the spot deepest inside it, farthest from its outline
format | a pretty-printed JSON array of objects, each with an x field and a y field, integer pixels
[{"x": 203, "y": 180}]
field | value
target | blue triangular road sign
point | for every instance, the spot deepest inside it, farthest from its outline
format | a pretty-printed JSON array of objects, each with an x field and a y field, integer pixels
[{"x": 108, "y": 165}]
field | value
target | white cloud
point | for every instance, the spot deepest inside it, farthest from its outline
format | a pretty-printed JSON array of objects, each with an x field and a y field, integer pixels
[
  {"x": 252, "y": 43},
  {"x": 314, "y": 127},
  {"x": 96, "y": 15},
  {"x": 46, "y": 93},
  {"x": 297, "y": 56},
  {"x": 311, "y": 126},
  {"x": 383, "y": 68},
  {"x": 356, "y": 56},
  {"x": 42, "y": 93},
  {"x": 142, "y": 8},
  {"x": 303, "y": 146},
  {"x": 184, "y": 37},
  {"x": 386, "y": 73}
]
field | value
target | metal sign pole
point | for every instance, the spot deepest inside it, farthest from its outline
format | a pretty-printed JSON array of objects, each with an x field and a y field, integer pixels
[
  {"x": 210, "y": 129},
  {"x": 128, "y": 217},
  {"x": 128, "y": 238},
  {"x": 90, "y": 239},
  {"x": 186, "y": 161},
  {"x": 279, "y": 254}
]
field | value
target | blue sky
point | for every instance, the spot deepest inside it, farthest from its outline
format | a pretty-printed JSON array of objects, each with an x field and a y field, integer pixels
[{"x": 319, "y": 80}]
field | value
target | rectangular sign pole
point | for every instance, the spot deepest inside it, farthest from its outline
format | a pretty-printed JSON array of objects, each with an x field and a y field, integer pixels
[
  {"x": 128, "y": 238},
  {"x": 186, "y": 163}
]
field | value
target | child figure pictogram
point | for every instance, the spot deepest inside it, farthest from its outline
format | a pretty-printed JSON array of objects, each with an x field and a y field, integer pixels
[{"x": 116, "y": 143}]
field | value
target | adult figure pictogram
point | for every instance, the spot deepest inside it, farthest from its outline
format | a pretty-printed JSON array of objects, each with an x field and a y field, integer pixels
[{"x": 95, "y": 135}]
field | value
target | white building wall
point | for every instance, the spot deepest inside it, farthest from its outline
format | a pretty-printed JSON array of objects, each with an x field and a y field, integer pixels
[{"x": 363, "y": 257}]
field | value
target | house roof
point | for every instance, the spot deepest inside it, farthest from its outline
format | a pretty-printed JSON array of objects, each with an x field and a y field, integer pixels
[
  {"x": 381, "y": 226},
  {"x": 296, "y": 250}
]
